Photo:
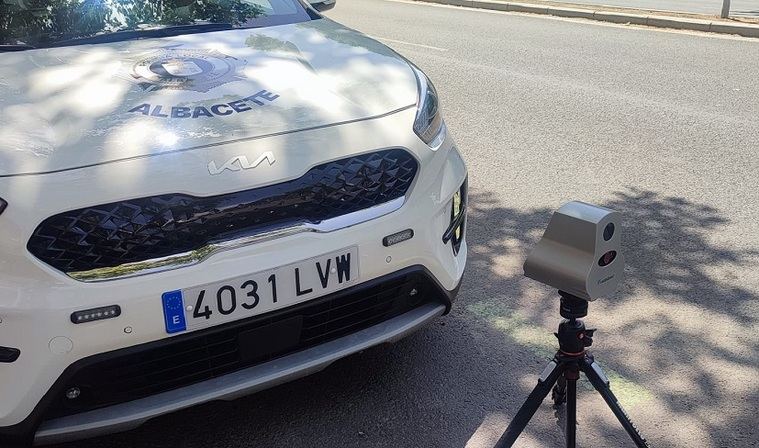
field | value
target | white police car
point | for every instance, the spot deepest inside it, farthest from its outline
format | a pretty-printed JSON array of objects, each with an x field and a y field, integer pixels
[{"x": 202, "y": 199}]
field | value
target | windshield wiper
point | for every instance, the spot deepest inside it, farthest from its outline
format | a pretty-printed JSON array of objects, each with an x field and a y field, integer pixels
[
  {"x": 15, "y": 47},
  {"x": 147, "y": 33}
]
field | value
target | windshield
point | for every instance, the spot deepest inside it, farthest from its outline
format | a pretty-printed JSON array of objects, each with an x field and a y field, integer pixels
[{"x": 39, "y": 23}]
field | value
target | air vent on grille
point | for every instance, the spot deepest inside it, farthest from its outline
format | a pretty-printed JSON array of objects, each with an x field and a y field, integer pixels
[{"x": 136, "y": 230}]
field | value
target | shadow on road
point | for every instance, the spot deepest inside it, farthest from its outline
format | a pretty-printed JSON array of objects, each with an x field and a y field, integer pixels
[
  {"x": 681, "y": 324},
  {"x": 676, "y": 343}
]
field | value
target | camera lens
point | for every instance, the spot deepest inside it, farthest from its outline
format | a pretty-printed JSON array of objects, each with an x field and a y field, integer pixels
[
  {"x": 607, "y": 258},
  {"x": 608, "y": 231}
]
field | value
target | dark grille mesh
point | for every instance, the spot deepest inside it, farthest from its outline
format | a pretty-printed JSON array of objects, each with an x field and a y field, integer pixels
[{"x": 142, "y": 229}]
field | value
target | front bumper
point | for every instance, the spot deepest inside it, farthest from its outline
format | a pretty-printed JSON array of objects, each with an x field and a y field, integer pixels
[
  {"x": 36, "y": 301},
  {"x": 129, "y": 415}
]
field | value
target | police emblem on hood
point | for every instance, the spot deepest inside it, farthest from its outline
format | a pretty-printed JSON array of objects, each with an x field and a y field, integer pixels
[{"x": 185, "y": 69}]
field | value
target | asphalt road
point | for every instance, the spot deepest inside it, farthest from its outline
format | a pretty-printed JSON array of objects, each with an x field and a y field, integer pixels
[
  {"x": 659, "y": 125},
  {"x": 712, "y": 7}
]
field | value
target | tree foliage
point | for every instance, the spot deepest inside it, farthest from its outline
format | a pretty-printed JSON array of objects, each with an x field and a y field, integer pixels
[{"x": 37, "y": 21}]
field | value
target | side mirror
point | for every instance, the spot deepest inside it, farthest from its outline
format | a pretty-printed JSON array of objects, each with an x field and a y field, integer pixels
[{"x": 322, "y": 5}]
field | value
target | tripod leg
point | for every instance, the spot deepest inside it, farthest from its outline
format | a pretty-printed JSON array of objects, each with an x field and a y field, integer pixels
[
  {"x": 571, "y": 428},
  {"x": 601, "y": 383},
  {"x": 559, "y": 393},
  {"x": 546, "y": 381},
  {"x": 571, "y": 413}
]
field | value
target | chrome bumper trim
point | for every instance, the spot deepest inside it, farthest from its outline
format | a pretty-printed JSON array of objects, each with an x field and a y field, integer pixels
[
  {"x": 126, "y": 416},
  {"x": 199, "y": 255}
]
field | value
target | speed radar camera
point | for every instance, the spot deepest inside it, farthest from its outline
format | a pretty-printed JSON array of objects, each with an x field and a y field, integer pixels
[
  {"x": 579, "y": 255},
  {"x": 580, "y": 252}
]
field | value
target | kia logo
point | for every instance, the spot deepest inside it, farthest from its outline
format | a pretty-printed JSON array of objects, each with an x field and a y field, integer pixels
[{"x": 239, "y": 163}]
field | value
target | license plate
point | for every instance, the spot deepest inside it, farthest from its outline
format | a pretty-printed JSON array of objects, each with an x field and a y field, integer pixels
[{"x": 250, "y": 295}]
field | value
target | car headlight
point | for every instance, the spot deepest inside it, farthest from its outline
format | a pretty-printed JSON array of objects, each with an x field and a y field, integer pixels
[{"x": 429, "y": 124}]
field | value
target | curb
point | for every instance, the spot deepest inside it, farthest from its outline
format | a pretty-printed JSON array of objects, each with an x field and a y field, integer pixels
[{"x": 741, "y": 29}]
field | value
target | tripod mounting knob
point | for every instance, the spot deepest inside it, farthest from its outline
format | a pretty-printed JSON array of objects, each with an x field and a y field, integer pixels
[{"x": 587, "y": 337}]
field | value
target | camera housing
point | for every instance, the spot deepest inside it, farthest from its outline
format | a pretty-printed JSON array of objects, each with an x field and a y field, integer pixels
[{"x": 580, "y": 252}]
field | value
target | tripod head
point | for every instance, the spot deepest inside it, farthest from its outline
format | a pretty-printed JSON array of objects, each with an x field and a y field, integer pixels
[{"x": 573, "y": 337}]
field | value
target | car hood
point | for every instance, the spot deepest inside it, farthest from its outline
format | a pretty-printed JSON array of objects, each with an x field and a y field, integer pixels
[{"x": 70, "y": 107}]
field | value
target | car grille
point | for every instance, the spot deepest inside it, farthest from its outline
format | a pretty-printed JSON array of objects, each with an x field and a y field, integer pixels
[
  {"x": 144, "y": 370},
  {"x": 136, "y": 230}
]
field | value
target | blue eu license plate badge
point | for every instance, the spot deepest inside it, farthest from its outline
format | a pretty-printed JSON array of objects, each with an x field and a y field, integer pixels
[{"x": 173, "y": 311}]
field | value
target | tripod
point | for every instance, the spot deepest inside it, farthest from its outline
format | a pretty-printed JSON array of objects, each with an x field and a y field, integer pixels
[{"x": 562, "y": 374}]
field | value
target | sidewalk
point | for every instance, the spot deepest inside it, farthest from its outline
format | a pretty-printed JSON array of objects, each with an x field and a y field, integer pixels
[
  {"x": 738, "y": 8},
  {"x": 746, "y": 27}
]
